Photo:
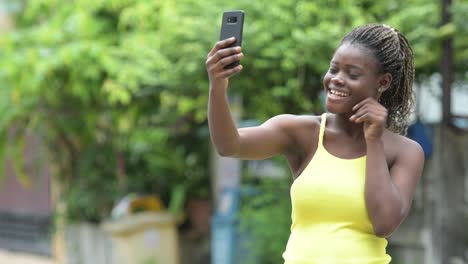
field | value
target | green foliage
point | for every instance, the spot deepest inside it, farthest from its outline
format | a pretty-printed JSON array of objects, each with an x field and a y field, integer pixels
[
  {"x": 117, "y": 89},
  {"x": 265, "y": 221},
  {"x": 96, "y": 85},
  {"x": 460, "y": 33}
]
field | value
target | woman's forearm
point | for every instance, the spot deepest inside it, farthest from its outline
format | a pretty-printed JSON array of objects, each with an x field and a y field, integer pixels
[
  {"x": 384, "y": 203},
  {"x": 223, "y": 130}
]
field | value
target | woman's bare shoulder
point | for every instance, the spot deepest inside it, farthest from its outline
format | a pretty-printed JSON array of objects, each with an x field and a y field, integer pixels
[
  {"x": 296, "y": 121},
  {"x": 401, "y": 140},
  {"x": 294, "y": 125},
  {"x": 401, "y": 146}
]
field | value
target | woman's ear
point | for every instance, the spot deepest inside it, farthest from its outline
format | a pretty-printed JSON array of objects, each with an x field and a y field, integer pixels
[{"x": 384, "y": 82}]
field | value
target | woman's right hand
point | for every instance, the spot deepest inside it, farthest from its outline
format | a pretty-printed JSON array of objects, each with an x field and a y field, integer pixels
[{"x": 221, "y": 56}]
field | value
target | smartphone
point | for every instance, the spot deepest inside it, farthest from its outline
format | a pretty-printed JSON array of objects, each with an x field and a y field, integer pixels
[{"x": 232, "y": 26}]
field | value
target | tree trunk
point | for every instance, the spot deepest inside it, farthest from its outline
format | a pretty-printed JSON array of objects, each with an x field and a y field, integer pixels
[{"x": 446, "y": 65}]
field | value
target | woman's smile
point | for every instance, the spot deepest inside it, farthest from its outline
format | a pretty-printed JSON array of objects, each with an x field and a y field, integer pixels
[{"x": 334, "y": 94}]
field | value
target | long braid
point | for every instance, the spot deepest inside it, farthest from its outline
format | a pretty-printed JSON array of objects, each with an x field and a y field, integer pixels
[{"x": 395, "y": 56}]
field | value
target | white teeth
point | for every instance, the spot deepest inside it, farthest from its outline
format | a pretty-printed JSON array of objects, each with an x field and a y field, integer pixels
[{"x": 339, "y": 93}]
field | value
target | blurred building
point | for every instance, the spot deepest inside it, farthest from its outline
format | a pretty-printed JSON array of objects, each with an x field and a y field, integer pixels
[
  {"x": 435, "y": 231},
  {"x": 429, "y": 101}
]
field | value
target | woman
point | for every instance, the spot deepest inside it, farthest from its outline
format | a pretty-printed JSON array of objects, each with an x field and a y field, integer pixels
[{"x": 354, "y": 174}]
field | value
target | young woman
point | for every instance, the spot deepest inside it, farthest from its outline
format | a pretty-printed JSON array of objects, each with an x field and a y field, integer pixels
[{"x": 354, "y": 174}]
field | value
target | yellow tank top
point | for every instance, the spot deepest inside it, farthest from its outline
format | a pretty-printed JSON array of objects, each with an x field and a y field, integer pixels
[{"x": 329, "y": 217}]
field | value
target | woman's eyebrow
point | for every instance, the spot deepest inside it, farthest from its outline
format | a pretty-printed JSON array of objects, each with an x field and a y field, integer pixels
[{"x": 354, "y": 66}]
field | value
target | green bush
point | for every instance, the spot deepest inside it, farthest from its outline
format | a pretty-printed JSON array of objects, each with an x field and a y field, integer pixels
[{"x": 265, "y": 221}]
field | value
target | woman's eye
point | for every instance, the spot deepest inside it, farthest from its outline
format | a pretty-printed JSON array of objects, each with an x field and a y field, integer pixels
[
  {"x": 353, "y": 76},
  {"x": 333, "y": 70}
]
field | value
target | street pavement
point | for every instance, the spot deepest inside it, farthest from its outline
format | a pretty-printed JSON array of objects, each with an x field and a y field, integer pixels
[{"x": 22, "y": 258}]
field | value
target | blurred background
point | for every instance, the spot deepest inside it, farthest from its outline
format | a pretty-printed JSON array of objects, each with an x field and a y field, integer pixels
[{"x": 105, "y": 149}]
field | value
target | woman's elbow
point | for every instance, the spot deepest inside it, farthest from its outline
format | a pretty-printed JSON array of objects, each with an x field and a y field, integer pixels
[
  {"x": 226, "y": 152},
  {"x": 386, "y": 228},
  {"x": 384, "y": 231}
]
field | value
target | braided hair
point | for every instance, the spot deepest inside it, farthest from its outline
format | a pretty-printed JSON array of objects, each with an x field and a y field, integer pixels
[{"x": 394, "y": 55}]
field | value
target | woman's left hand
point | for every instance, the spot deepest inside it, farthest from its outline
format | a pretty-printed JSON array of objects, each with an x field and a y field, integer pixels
[{"x": 373, "y": 115}]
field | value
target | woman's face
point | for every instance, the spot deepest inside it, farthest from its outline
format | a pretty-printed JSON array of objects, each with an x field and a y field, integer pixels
[{"x": 352, "y": 77}]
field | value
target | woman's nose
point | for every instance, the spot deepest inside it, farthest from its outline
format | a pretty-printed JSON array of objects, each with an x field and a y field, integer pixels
[{"x": 337, "y": 80}]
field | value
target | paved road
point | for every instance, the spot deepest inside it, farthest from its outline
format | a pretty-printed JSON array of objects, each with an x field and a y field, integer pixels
[{"x": 21, "y": 258}]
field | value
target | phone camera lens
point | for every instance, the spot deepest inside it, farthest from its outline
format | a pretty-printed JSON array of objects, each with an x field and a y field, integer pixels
[{"x": 232, "y": 19}]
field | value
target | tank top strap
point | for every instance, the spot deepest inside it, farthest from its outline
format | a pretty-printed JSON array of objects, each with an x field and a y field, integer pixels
[{"x": 323, "y": 123}]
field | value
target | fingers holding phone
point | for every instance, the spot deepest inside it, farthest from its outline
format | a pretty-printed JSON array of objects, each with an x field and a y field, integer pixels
[
  {"x": 221, "y": 57},
  {"x": 223, "y": 60}
]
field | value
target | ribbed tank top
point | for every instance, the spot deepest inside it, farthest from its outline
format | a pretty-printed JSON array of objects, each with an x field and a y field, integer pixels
[{"x": 329, "y": 216}]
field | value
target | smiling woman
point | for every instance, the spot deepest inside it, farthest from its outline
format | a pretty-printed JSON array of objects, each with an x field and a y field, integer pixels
[
  {"x": 351, "y": 78},
  {"x": 354, "y": 174}
]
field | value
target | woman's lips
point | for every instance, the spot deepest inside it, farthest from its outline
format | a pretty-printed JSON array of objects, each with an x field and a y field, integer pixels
[{"x": 336, "y": 94}]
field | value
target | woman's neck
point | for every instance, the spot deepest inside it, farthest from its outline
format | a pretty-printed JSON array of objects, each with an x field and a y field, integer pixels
[{"x": 342, "y": 124}]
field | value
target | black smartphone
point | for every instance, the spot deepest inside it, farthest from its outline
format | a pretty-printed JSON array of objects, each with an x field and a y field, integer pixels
[{"x": 232, "y": 26}]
